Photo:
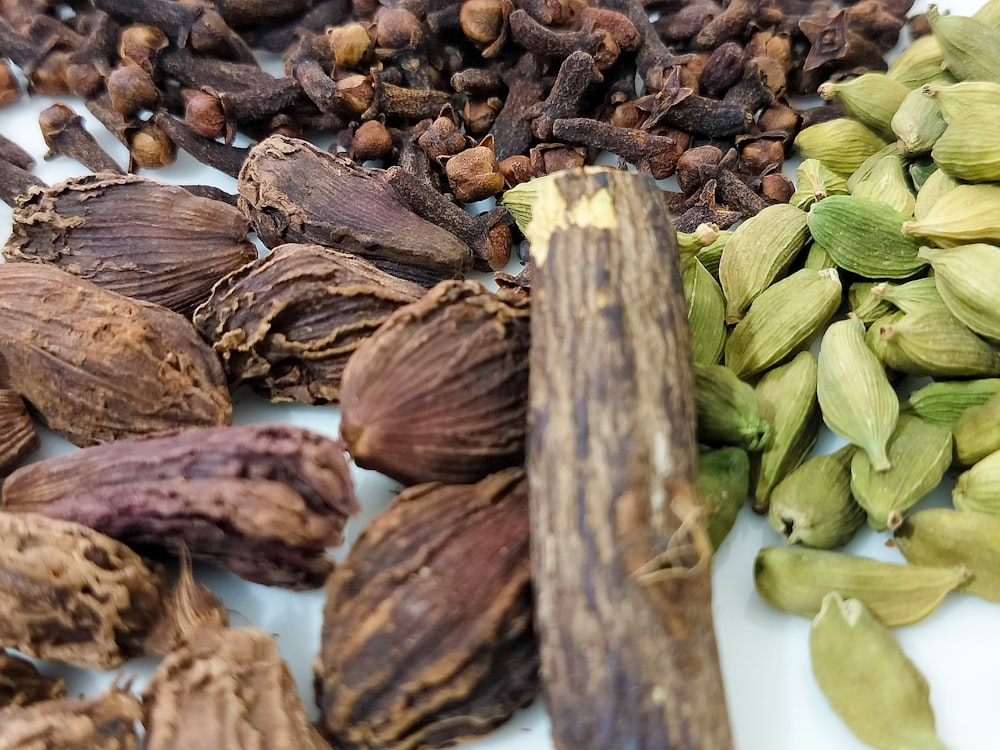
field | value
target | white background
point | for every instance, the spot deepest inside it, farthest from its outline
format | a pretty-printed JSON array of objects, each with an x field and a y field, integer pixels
[{"x": 773, "y": 701}]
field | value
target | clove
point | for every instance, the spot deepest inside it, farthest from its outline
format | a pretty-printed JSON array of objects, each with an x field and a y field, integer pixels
[
  {"x": 575, "y": 75},
  {"x": 512, "y": 133},
  {"x": 226, "y": 158},
  {"x": 396, "y": 101},
  {"x": 65, "y": 135},
  {"x": 554, "y": 43},
  {"x": 655, "y": 154},
  {"x": 488, "y": 234},
  {"x": 16, "y": 181}
]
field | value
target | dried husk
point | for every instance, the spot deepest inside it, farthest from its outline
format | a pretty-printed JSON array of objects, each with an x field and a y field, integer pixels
[
  {"x": 427, "y": 630},
  {"x": 18, "y": 438},
  {"x": 292, "y": 191},
  {"x": 107, "y": 722},
  {"x": 134, "y": 236},
  {"x": 223, "y": 688},
  {"x": 97, "y": 365},
  {"x": 287, "y": 323},
  {"x": 264, "y": 501},
  {"x": 71, "y": 594},
  {"x": 22, "y": 684},
  {"x": 439, "y": 392}
]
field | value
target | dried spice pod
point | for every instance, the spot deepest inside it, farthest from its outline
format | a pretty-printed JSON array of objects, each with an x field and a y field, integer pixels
[
  {"x": 287, "y": 323},
  {"x": 427, "y": 629},
  {"x": 107, "y": 722},
  {"x": 97, "y": 365},
  {"x": 439, "y": 392},
  {"x": 620, "y": 551},
  {"x": 21, "y": 683},
  {"x": 223, "y": 687},
  {"x": 264, "y": 501},
  {"x": 17, "y": 432},
  {"x": 74, "y": 595},
  {"x": 134, "y": 236},
  {"x": 293, "y": 191}
]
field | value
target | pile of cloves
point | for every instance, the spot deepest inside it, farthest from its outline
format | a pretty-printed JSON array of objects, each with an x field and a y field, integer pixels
[{"x": 467, "y": 98}]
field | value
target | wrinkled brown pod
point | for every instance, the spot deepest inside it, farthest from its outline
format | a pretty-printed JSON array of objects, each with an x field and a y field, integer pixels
[
  {"x": 18, "y": 438},
  {"x": 439, "y": 392},
  {"x": 71, "y": 594},
  {"x": 223, "y": 688},
  {"x": 107, "y": 722},
  {"x": 293, "y": 191},
  {"x": 264, "y": 501},
  {"x": 135, "y": 236},
  {"x": 287, "y": 323},
  {"x": 97, "y": 365},
  {"x": 21, "y": 683},
  {"x": 427, "y": 630}
]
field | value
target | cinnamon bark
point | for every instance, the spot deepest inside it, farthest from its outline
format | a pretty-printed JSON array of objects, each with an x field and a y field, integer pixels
[{"x": 621, "y": 560}]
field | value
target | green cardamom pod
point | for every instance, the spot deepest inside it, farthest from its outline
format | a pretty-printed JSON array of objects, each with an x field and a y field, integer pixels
[
  {"x": 920, "y": 454},
  {"x": 887, "y": 183},
  {"x": 690, "y": 243},
  {"x": 920, "y": 169},
  {"x": 786, "y": 396},
  {"x": 813, "y": 503},
  {"x": 921, "y": 62},
  {"x": 941, "y": 536},
  {"x": 814, "y": 181},
  {"x": 919, "y": 295},
  {"x": 855, "y": 396},
  {"x": 711, "y": 255},
  {"x": 865, "y": 305},
  {"x": 964, "y": 214},
  {"x": 863, "y": 236},
  {"x": 842, "y": 144},
  {"x": 870, "y": 98},
  {"x": 782, "y": 320},
  {"x": 723, "y": 485},
  {"x": 706, "y": 309},
  {"x": 943, "y": 402},
  {"x": 965, "y": 149},
  {"x": 978, "y": 488},
  {"x": 989, "y": 13},
  {"x": 970, "y": 49},
  {"x": 968, "y": 279},
  {"x": 795, "y": 580},
  {"x": 726, "y": 409},
  {"x": 876, "y": 344},
  {"x": 867, "y": 679},
  {"x": 977, "y": 431},
  {"x": 937, "y": 184},
  {"x": 759, "y": 252},
  {"x": 817, "y": 258},
  {"x": 934, "y": 342},
  {"x": 918, "y": 123},
  {"x": 520, "y": 200}
]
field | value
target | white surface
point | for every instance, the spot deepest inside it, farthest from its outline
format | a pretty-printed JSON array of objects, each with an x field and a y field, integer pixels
[{"x": 773, "y": 700}]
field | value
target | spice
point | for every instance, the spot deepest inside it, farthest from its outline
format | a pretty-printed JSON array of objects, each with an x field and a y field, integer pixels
[
  {"x": 623, "y": 405},
  {"x": 264, "y": 502},
  {"x": 18, "y": 438},
  {"x": 97, "y": 365},
  {"x": 441, "y": 558},
  {"x": 287, "y": 323},
  {"x": 134, "y": 236},
  {"x": 108, "y": 722},
  {"x": 405, "y": 415},
  {"x": 21, "y": 683}
]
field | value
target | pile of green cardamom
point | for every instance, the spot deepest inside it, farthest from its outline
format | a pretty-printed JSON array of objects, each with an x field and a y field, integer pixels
[{"x": 898, "y": 205}]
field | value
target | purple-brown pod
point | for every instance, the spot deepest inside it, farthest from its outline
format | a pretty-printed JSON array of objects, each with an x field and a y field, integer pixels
[
  {"x": 264, "y": 501},
  {"x": 439, "y": 392}
]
